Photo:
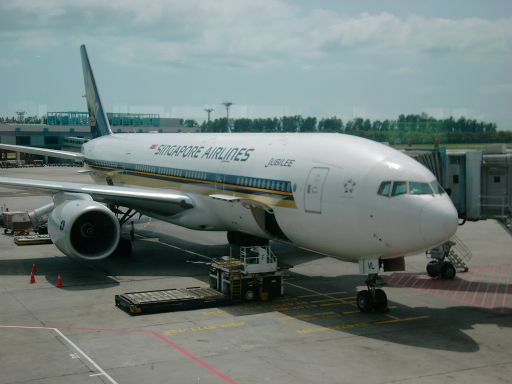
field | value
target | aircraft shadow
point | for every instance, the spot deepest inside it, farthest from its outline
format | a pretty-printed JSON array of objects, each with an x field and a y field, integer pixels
[{"x": 319, "y": 303}]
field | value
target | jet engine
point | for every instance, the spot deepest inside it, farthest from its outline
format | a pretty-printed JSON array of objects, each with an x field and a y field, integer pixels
[{"x": 83, "y": 228}]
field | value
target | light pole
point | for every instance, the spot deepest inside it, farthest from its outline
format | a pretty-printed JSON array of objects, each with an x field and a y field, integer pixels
[
  {"x": 227, "y": 104},
  {"x": 21, "y": 115},
  {"x": 208, "y": 111}
]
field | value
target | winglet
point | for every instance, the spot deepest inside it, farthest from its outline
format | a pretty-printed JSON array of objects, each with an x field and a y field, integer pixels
[{"x": 97, "y": 117}]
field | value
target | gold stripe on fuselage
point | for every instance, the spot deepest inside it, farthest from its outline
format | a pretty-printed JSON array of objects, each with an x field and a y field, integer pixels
[{"x": 202, "y": 187}]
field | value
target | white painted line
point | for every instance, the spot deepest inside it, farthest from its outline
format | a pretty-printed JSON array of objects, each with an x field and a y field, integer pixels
[
  {"x": 73, "y": 345},
  {"x": 98, "y": 368},
  {"x": 175, "y": 247}
]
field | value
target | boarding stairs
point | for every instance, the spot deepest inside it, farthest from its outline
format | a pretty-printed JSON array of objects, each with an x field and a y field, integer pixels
[
  {"x": 453, "y": 251},
  {"x": 235, "y": 282}
]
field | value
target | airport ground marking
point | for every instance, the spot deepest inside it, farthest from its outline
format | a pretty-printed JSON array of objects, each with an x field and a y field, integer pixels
[
  {"x": 328, "y": 293},
  {"x": 157, "y": 240},
  {"x": 194, "y": 358},
  {"x": 199, "y": 328},
  {"x": 504, "y": 300},
  {"x": 339, "y": 300},
  {"x": 400, "y": 319},
  {"x": 100, "y": 370}
]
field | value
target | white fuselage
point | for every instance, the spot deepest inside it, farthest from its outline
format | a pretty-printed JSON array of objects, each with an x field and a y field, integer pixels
[{"x": 318, "y": 191}]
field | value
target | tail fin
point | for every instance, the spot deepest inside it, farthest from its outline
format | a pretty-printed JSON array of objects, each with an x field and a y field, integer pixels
[{"x": 97, "y": 117}]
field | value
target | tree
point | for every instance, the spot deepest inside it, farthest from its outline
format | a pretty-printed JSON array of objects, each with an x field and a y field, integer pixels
[
  {"x": 190, "y": 123},
  {"x": 309, "y": 124}
]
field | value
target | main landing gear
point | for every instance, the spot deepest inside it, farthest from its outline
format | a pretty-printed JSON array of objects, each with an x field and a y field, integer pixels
[
  {"x": 124, "y": 248},
  {"x": 372, "y": 299}
]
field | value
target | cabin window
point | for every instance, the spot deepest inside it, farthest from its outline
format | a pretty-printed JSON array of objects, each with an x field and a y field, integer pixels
[
  {"x": 497, "y": 179},
  {"x": 399, "y": 188},
  {"x": 384, "y": 188},
  {"x": 455, "y": 179}
]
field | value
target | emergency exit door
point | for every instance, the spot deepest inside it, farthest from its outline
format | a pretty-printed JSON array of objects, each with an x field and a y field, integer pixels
[{"x": 314, "y": 190}]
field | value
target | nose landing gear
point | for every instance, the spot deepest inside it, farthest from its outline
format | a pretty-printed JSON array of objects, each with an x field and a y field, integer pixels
[{"x": 373, "y": 298}]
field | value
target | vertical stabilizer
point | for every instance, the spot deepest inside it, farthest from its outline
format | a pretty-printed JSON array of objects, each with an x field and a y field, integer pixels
[{"x": 97, "y": 117}]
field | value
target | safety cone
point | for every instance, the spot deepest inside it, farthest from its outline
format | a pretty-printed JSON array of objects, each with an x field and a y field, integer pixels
[
  {"x": 32, "y": 277},
  {"x": 34, "y": 269},
  {"x": 59, "y": 281}
]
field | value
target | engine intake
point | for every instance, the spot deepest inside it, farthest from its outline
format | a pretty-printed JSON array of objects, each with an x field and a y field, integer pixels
[{"x": 83, "y": 228}]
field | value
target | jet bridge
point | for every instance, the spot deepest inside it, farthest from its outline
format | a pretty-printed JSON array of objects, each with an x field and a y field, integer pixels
[{"x": 479, "y": 181}]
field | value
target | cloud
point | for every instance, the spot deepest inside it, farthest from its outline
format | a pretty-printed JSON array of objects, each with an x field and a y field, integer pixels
[{"x": 239, "y": 33}]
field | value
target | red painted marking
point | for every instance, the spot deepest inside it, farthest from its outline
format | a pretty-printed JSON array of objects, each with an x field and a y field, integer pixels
[
  {"x": 406, "y": 282},
  {"x": 425, "y": 280},
  {"x": 458, "y": 289},
  {"x": 473, "y": 298},
  {"x": 498, "y": 284},
  {"x": 468, "y": 289},
  {"x": 391, "y": 278},
  {"x": 193, "y": 358},
  {"x": 452, "y": 285},
  {"x": 482, "y": 302},
  {"x": 416, "y": 281},
  {"x": 402, "y": 275},
  {"x": 505, "y": 293}
]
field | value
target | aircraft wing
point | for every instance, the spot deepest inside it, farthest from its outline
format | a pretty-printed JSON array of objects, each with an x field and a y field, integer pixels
[
  {"x": 147, "y": 200},
  {"x": 43, "y": 151}
]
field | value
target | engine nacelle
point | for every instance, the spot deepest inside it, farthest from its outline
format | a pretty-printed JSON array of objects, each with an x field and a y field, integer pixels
[{"x": 83, "y": 228}]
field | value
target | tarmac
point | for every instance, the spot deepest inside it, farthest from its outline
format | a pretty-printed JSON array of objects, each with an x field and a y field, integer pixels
[{"x": 436, "y": 331}]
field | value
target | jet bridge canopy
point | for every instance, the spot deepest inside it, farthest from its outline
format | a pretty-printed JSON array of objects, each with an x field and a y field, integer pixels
[{"x": 479, "y": 181}]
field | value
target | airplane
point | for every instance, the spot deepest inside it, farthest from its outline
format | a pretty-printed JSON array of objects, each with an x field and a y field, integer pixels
[{"x": 336, "y": 194}]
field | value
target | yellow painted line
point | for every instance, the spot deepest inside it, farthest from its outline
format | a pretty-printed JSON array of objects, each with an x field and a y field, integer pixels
[
  {"x": 332, "y": 304},
  {"x": 328, "y": 300},
  {"x": 342, "y": 301},
  {"x": 339, "y": 300},
  {"x": 335, "y": 327},
  {"x": 201, "y": 328},
  {"x": 210, "y": 312},
  {"x": 398, "y": 320},
  {"x": 328, "y": 293}
]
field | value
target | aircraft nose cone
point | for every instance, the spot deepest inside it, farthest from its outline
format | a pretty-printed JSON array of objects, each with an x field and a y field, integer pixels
[{"x": 438, "y": 221}]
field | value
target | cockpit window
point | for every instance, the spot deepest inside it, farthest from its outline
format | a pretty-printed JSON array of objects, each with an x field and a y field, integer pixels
[
  {"x": 399, "y": 188},
  {"x": 416, "y": 188},
  {"x": 437, "y": 187},
  {"x": 384, "y": 188},
  {"x": 396, "y": 188}
]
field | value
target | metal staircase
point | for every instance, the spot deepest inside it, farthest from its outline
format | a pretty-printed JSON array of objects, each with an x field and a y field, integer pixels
[
  {"x": 453, "y": 251},
  {"x": 235, "y": 283},
  {"x": 459, "y": 254}
]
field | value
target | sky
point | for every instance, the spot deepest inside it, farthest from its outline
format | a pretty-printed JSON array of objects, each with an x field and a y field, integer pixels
[{"x": 370, "y": 59}]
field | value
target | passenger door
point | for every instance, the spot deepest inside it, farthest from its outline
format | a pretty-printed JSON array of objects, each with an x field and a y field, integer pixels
[{"x": 314, "y": 189}]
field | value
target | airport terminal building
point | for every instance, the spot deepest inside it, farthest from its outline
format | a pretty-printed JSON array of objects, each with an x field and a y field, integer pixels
[{"x": 68, "y": 130}]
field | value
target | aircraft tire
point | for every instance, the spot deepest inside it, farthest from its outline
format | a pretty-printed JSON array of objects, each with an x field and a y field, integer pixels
[
  {"x": 433, "y": 268},
  {"x": 364, "y": 301},
  {"x": 381, "y": 300},
  {"x": 448, "y": 271}
]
